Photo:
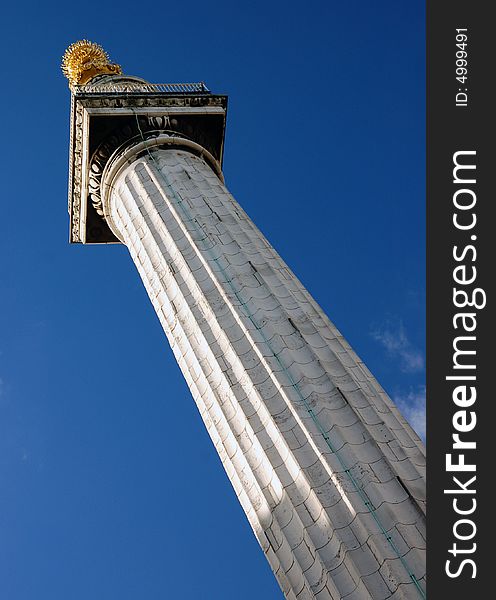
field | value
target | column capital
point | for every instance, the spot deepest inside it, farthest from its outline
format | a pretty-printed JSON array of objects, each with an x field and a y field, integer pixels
[{"x": 133, "y": 150}]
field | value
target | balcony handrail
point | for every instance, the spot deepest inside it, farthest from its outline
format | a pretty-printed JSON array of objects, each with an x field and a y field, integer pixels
[{"x": 139, "y": 88}]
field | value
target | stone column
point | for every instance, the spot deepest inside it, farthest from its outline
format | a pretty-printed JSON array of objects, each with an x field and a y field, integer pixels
[{"x": 330, "y": 475}]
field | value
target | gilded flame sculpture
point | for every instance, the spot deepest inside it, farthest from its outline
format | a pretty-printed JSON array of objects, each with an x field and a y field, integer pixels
[{"x": 84, "y": 60}]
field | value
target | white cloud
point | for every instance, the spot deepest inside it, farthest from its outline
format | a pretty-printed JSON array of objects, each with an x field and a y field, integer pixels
[
  {"x": 412, "y": 406},
  {"x": 394, "y": 339}
]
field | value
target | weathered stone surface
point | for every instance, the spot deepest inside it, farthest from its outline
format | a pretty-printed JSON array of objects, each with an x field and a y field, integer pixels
[{"x": 328, "y": 472}]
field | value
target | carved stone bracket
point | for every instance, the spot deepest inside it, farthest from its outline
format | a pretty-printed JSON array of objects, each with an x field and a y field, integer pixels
[{"x": 76, "y": 168}]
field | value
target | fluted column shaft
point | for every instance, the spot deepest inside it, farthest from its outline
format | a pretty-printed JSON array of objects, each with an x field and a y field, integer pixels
[{"x": 331, "y": 477}]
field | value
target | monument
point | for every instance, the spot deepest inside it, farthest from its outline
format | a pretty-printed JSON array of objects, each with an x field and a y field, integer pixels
[{"x": 328, "y": 472}]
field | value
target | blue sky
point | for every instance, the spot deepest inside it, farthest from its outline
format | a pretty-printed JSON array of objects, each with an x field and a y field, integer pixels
[{"x": 109, "y": 485}]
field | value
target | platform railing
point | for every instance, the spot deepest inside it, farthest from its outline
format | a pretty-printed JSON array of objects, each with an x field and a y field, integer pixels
[{"x": 139, "y": 88}]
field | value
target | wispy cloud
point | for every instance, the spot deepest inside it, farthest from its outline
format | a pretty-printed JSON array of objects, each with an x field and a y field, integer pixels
[
  {"x": 393, "y": 337},
  {"x": 412, "y": 406}
]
